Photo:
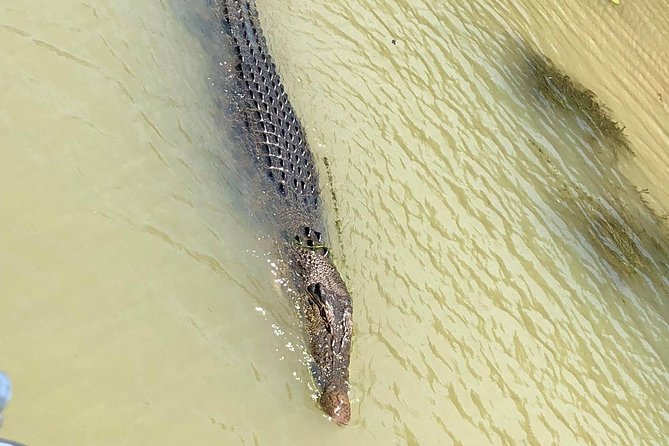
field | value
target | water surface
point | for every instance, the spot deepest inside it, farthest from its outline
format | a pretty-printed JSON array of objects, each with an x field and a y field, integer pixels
[{"x": 496, "y": 301}]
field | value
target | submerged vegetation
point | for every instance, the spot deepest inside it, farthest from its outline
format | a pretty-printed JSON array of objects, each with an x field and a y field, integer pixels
[
  {"x": 623, "y": 230},
  {"x": 612, "y": 232},
  {"x": 621, "y": 225},
  {"x": 628, "y": 234},
  {"x": 561, "y": 90}
]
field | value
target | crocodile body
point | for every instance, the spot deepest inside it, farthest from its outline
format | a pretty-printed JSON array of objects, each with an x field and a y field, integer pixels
[{"x": 289, "y": 176}]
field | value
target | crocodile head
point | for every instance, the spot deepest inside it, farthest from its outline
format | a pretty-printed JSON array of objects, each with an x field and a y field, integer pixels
[
  {"x": 328, "y": 318},
  {"x": 329, "y": 330}
]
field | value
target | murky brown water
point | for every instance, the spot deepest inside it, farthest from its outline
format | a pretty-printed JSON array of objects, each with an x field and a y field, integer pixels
[{"x": 509, "y": 285}]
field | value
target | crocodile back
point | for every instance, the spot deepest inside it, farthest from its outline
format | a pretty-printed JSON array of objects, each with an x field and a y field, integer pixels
[{"x": 278, "y": 140}]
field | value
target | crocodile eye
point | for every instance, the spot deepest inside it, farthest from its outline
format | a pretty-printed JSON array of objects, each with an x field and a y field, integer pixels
[{"x": 315, "y": 290}]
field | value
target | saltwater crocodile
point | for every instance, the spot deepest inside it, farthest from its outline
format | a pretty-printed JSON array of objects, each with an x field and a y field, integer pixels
[{"x": 289, "y": 174}]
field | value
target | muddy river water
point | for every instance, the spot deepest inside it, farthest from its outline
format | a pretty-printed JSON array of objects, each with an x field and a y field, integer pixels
[{"x": 509, "y": 268}]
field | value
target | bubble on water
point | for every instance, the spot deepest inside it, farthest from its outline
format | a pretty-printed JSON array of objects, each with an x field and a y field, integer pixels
[{"x": 277, "y": 330}]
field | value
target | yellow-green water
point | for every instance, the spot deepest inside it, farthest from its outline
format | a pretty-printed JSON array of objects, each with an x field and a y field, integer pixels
[{"x": 509, "y": 285}]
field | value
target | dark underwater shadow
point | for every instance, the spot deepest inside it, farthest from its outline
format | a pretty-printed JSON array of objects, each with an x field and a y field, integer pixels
[{"x": 578, "y": 171}]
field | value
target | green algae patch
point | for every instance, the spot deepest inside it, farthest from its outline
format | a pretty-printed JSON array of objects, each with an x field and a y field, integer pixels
[
  {"x": 335, "y": 205},
  {"x": 333, "y": 194},
  {"x": 562, "y": 91}
]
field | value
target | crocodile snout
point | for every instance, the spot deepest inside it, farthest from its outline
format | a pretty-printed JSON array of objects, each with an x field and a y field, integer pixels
[{"x": 335, "y": 403}]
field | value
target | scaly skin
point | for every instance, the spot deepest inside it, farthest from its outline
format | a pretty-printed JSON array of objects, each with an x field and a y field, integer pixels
[{"x": 283, "y": 154}]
